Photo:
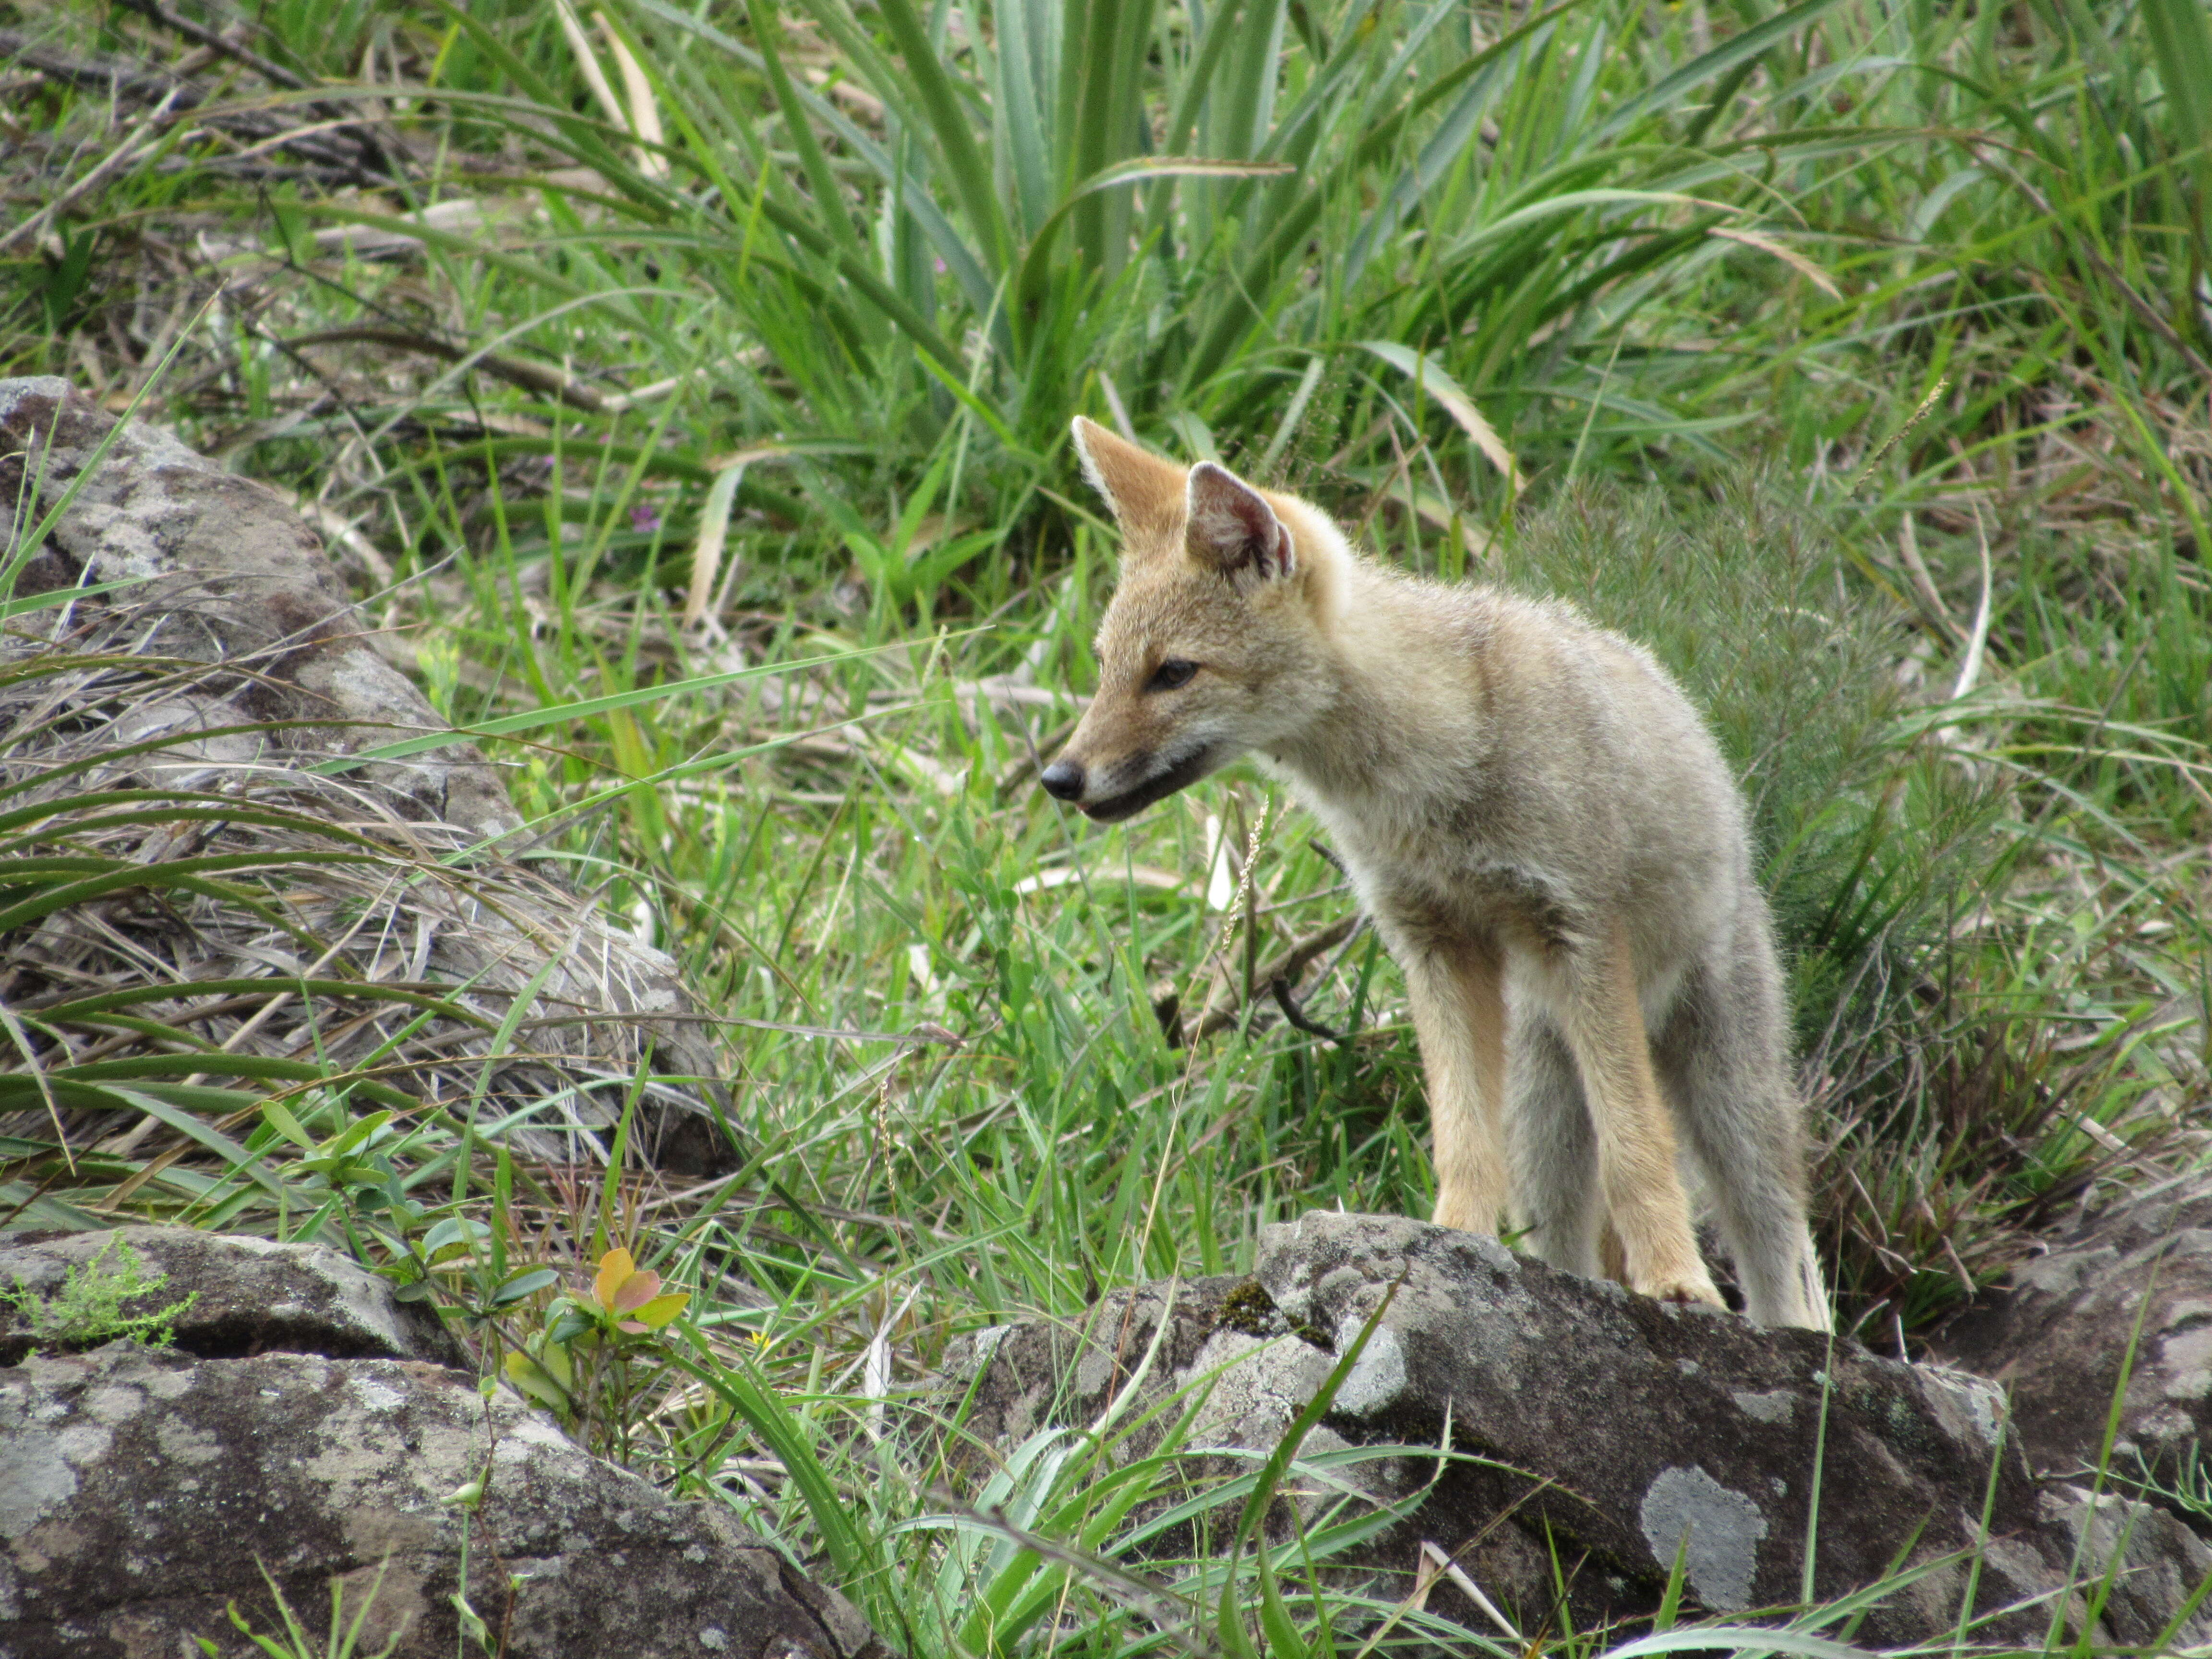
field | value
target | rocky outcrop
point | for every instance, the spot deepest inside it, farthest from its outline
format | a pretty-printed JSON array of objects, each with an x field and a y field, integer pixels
[
  {"x": 1593, "y": 1432},
  {"x": 144, "y": 1490},
  {"x": 244, "y": 1296},
  {"x": 2130, "y": 1289},
  {"x": 209, "y": 659},
  {"x": 237, "y": 576}
]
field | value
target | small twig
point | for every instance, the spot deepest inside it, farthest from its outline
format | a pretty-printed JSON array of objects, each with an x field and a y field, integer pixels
[
  {"x": 1019, "y": 769},
  {"x": 1300, "y": 956},
  {"x": 1297, "y": 1016},
  {"x": 33, "y": 1064},
  {"x": 1286, "y": 967},
  {"x": 116, "y": 77},
  {"x": 530, "y": 377},
  {"x": 200, "y": 35},
  {"x": 377, "y": 156},
  {"x": 147, "y": 133}
]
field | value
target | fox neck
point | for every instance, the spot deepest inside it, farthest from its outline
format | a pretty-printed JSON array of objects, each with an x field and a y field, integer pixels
[{"x": 1394, "y": 703}]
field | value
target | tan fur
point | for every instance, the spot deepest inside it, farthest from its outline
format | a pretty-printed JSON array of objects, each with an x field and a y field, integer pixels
[{"x": 1548, "y": 840}]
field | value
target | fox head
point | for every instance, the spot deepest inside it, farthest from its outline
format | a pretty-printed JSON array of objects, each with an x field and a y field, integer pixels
[{"x": 1214, "y": 641}]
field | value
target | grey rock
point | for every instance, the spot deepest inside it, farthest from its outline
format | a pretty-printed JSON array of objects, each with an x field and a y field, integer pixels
[
  {"x": 1598, "y": 1432},
  {"x": 2138, "y": 1276},
  {"x": 303, "y": 1423},
  {"x": 229, "y": 560},
  {"x": 2140, "y": 1559},
  {"x": 1718, "y": 1531},
  {"x": 248, "y": 1295},
  {"x": 141, "y": 1491}
]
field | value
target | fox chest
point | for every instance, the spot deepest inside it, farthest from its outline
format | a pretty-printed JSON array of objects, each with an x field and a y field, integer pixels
[
  {"x": 1443, "y": 897},
  {"x": 1446, "y": 878}
]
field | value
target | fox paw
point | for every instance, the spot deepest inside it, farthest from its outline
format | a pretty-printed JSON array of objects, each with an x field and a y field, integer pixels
[{"x": 1683, "y": 1288}]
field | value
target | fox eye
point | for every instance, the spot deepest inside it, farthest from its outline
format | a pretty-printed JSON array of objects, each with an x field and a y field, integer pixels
[{"x": 1173, "y": 672}]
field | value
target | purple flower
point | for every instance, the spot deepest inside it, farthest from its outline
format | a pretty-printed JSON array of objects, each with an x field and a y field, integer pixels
[{"x": 644, "y": 518}]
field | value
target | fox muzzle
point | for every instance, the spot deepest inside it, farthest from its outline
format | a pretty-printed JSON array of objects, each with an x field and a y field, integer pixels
[{"x": 1069, "y": 781}]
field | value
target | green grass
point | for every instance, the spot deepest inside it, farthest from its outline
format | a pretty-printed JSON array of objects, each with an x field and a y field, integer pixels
[{"x": 1690, "y": 271}]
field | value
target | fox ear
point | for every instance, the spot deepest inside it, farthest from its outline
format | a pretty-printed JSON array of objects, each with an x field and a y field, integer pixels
[
  {"x": 1232, "y": 528},
  {"x": 1145, "y": 491}
]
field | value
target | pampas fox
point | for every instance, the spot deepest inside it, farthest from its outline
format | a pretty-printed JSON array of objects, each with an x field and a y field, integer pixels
[{"x": 1546, "y": 837}]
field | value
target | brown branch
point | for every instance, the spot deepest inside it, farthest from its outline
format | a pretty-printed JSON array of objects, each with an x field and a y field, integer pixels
[
  {"x": 530, "y": 377},
  {"x": 1286, "y": 968},
  {"x": 200, "y": 35},
  {"x": 1023, "y": 766},
  {"x": 144, "y": 134},
  {"x": 119, "y": 77},
  {"x": 1281, "y": 989},
  {"x": 377, "y": 156}
]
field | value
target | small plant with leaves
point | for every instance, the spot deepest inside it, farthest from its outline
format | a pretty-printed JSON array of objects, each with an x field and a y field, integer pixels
[
  {"x": 88, "y": 1309},
  {"x": 344, "y": 1636},
  {"x": 598, "y": 1355},
  {"x": 358, "y": 1175}
]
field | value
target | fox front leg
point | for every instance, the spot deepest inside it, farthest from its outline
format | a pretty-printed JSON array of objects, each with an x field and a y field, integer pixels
[{"x": 1459, "y": 1013}]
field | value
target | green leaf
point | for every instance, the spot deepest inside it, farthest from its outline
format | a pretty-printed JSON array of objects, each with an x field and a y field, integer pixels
[
  {"x": 54, "y": 597},
  {"x": 453, "y": 1233},
  {"x": 524, "y": 1285},
  {"x": 949, "y": 124},
  {"x": 1736, "y": 49},
  {"x": 536, "y": 1383},
  {"x": 279, "y": 1118},
  {"x": 660, "y": 1310},
  {"x": 2181, "y": 37}
]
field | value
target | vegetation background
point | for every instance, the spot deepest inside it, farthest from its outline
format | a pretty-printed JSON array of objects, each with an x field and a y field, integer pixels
[{"x": 1854, "y": 355}]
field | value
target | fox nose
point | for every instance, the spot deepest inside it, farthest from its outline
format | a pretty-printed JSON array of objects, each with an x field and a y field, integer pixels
[{"x": 1063, "y": 780}]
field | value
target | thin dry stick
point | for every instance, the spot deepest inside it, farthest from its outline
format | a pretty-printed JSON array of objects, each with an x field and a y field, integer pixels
[
  {"x": 1286, "y": 968},
  {"x": 146, "y": 133},
  {"x": 31, "y": 1062},
  {"x": 128, "y": 1143},
  {"x": 530, "y": 377},
  {"x": 200, "y": 35}
]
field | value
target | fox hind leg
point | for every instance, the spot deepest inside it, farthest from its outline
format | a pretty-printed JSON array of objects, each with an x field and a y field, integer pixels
[
  {"x": 1720, "y": 1056},
  {"x": 1645, "y": 1206},
  {"x": 1552, "y": 1149}
]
